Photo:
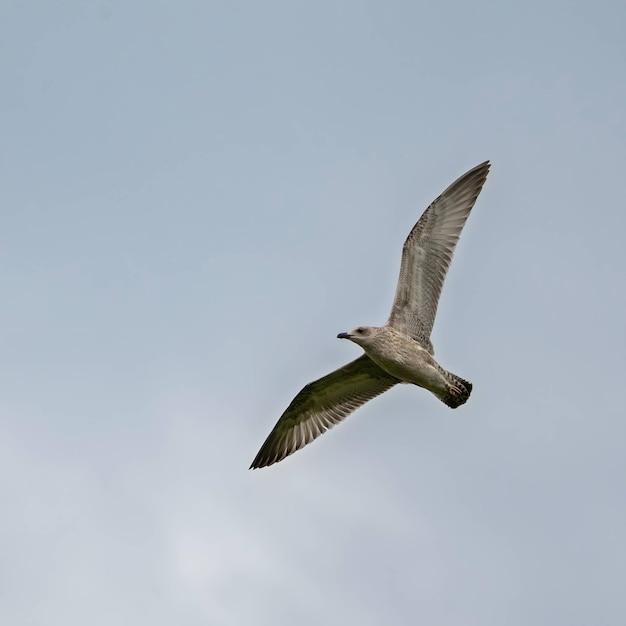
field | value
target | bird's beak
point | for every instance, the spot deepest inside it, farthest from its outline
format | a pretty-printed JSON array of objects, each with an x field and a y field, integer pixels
[{"x": 343, "y": 336}]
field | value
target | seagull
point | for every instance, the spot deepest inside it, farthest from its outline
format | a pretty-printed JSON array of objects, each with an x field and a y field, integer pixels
[{"x": 401, "y": 350}]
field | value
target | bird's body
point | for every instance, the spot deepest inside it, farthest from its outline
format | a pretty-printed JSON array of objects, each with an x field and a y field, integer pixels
[
  {"x": 401, "y": 350},
  {"x": 404, "y": 358}
]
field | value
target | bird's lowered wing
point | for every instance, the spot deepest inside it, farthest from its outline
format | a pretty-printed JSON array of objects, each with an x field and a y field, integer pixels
[{"x": 322, "y": 404}]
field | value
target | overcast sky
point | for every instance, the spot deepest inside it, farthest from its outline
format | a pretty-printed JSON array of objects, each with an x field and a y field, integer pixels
[{"x": 196, "y": 198}]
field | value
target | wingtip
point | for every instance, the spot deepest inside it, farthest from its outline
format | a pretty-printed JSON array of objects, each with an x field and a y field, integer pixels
[
  {"x": 258, "y": 463},
  {"x": 478, "y": 173},
  {"x": 266, "y": 459},
  {"x": 485, "y": 165}
]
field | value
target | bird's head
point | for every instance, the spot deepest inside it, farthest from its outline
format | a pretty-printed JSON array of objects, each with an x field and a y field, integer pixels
[{"x": 361, "y": 335}]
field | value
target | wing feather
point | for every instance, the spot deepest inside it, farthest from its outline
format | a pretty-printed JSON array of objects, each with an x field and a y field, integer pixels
[
  {"x": 427, "y": 254},
  {"x": 322, "y": 404}
]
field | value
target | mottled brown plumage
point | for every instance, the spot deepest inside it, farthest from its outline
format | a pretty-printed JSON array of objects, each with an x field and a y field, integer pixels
[{"x": 401, "y": 350}]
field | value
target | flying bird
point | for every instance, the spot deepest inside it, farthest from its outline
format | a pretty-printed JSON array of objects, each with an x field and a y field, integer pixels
[{"x": 401, "y": 350}]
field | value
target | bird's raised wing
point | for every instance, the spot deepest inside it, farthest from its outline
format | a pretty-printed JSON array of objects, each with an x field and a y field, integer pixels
[
  {"x": 322, "y": 404},
  {"x": 427, "y": 254}
]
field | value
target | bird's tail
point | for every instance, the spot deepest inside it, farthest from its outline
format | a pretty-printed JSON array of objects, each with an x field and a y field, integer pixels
[{"x": 457, "y": 391}]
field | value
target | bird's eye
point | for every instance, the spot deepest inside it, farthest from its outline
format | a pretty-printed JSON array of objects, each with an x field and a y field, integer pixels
[{"x": 359, "y": 330}]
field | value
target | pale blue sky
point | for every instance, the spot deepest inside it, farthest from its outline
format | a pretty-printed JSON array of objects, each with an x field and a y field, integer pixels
[{"x": 196, "y": 198}]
